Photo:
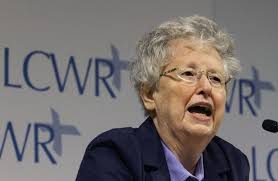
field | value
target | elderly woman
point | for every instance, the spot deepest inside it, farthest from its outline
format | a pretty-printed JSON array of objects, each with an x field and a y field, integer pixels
[{"x": 181, "y": 74}]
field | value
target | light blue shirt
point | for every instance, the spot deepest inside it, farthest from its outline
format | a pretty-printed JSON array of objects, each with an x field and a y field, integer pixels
[{"x": 176, "y": 169}]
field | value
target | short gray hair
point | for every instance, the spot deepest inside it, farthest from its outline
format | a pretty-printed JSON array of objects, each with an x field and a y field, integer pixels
[{"x": 152, "y": 50}]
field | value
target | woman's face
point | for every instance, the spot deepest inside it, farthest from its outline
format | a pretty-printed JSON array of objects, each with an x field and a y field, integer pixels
[{"x": 183, "y": 108}]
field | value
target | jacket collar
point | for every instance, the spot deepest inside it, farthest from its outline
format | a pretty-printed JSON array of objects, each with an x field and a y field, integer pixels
[
  {"x": 215, "y": 162},
  {"x": 153, "y": 154}
]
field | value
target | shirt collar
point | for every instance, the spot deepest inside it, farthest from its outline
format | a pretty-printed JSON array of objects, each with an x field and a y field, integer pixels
[{"x": 176, "y": 169}]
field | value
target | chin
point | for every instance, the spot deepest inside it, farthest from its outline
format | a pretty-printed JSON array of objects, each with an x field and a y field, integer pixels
[{"x": 202, "y": 130}]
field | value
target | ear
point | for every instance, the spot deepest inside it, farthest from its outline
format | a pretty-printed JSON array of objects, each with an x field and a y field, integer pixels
[{"x": 147, "y": 97}]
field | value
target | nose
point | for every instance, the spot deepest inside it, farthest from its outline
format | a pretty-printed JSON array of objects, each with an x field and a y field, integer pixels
[{"x": 204, "y": 86}]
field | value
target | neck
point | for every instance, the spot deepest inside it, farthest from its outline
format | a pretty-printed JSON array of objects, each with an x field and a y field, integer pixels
[{"x": 187, "y": 148}]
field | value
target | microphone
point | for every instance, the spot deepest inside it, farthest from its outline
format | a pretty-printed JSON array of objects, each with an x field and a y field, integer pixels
[{"x": 270, "y": 125}]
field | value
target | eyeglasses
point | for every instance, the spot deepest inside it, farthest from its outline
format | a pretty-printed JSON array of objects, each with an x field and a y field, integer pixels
[{"x": 190, "y": 76}]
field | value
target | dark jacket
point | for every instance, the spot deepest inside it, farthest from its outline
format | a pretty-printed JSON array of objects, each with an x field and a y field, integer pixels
[{"x": 137, "y": 154}]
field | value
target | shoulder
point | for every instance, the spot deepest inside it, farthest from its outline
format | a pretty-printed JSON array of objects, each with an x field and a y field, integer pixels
[
  {"x": 227, "y": 148},
  {"x": 124, "y": 141},
  {"x": 227, "y": 155},
  {"x": 114, "y": 138},
  {"x": 111, "y": 154}
]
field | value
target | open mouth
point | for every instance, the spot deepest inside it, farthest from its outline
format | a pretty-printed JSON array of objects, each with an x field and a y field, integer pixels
[{"x": 201, "y": 109}]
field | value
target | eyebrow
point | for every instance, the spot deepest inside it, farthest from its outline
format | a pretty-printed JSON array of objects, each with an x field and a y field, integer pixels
[{"x": 196, "y": 68}]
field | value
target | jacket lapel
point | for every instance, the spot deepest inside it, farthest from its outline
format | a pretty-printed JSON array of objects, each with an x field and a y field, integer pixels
[
  {"x": 160, "y": 175},
  {"x": 155, "y": 165},
  {"x": 216, "y": 166}
]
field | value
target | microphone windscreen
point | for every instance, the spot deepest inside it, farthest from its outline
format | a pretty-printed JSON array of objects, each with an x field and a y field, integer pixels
[{"x": 270, "y": 125}]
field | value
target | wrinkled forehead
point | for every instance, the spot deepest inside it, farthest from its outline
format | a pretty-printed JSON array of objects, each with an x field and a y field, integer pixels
[
  {"x": 188, "y": 46},
  {"x": 181, "y": 50}
]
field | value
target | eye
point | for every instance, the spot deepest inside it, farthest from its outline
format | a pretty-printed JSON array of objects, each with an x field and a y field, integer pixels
[
  {"x": 188, "y": 73},
  {"x": 215, "y": 79}
]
